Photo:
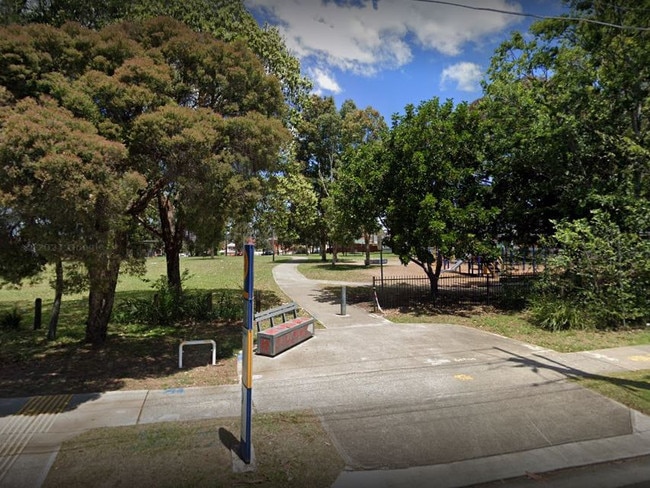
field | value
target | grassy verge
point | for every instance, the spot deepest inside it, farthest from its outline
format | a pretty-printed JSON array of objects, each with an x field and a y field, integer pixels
[
  {"x": 515, "y": 325},
  {"x": 631, "y": 388},
  {"x": 291, "y": 450}
]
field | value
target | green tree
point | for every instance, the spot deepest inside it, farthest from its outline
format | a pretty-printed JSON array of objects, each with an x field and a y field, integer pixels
[
  {"x": 599, "y": 277},
  {"x": 287, "y": 213},
  {"x": 200, "y": 163},
  {"x": 66, "y": 186},
  {"x": 567, "y": 113},
  {"x": 324, "y": 136},
  {"x": 358, "y": 190},
  {"x": 226, "y": 20},
  {"x": 354, "y": 208},
  {"x": 151, "y": 87},
  {"x": 319, "y": 149},
  {"x": 435, "y": 187}
]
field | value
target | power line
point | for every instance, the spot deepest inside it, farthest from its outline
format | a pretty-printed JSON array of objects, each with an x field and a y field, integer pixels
[{"x": 535, "y": 16}]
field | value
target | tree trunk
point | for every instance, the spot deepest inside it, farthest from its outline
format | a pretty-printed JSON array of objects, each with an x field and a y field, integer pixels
[
  {"x": 172, "y": 237},
  {"x": 173, "y": 261},
  {"x": 335, "y": 253},
  {"x": 366, "y": 238},
  {"x": 434, "y": 274},
  {"x": 103, "y": 275},
  {"x": 323, "y": 248},
  {"x": 56, "y": 306}
]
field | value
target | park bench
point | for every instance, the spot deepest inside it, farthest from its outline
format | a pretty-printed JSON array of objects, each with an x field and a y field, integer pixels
[{"x": 285, "y": 330}]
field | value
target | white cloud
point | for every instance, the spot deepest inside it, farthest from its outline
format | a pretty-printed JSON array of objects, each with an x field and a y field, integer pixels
[
  {"x": 466, "y": 76},
  {"x": 323, "y": 81},
  {"x": 364, "y": 40}
]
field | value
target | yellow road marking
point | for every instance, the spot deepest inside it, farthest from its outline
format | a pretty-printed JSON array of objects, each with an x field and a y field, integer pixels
[
  {"x": 45, "y": 404},
  {"x": 463, "y": 377},
  {"x": 640, "y": 358}
]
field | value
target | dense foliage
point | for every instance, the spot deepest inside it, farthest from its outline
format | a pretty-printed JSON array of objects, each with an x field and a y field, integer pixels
[
  {"x": 147, "y": 123},
  {"x": 435, "y": 188},
  {"x": 567, "y": 115},
  {"x": 108, "y": 130}
]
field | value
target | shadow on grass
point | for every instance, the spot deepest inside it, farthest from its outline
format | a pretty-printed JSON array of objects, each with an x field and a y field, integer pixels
[
  {"x": 633, "y": 386},
  {"x": 354, "y": 294},
  {"x": 135, "y": 356},
  {"x": 228, "y": 439},
  {"x": 341, "y": 266},
  {"x": 363, "y": 295}
]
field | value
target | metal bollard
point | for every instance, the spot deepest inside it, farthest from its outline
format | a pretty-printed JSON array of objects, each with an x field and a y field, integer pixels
[
  {"x": 343, "y": 300},
  {"x": 38, "y": 308}
]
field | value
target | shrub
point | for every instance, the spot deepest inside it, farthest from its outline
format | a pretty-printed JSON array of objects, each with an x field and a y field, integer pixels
[
  {"x": 598, "y": 278},
  {"x": 556, "y": 314},
  {"x": 11, "y": 320},
  {"x": 168, "y": 307}
]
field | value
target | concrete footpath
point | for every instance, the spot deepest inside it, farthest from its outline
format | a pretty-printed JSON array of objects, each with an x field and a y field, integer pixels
[{"x": 406, "y": 405}]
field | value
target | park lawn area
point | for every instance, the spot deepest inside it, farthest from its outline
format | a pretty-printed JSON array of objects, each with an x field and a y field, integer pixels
[
  {"x": 146, "y": 357},
  {"x": 291, "y": 449},
  {"x": 136, "y": 356}
]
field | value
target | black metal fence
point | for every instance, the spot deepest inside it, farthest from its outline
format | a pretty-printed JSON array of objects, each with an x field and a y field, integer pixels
[{"x": 452, "y": 289}]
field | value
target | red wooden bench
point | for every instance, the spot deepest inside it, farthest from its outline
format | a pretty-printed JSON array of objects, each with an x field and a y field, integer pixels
[{"x": 285, "y": 329}]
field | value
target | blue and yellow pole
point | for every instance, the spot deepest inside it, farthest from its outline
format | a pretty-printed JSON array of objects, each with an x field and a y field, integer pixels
[{"x": 247, "y": 357}]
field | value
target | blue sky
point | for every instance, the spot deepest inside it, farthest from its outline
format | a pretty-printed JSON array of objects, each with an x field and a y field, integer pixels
[{"x": 389, "y": 53}]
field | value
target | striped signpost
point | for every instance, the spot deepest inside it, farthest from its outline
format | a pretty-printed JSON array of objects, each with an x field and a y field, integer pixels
[{"x": 247, "y": 357}]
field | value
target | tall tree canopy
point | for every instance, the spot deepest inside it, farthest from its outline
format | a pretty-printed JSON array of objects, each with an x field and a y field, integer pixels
[
  {"x": 226, "y": 20},
  {"x": 68, "y": 188},
  {"x": 353, "y": 207},
  {"x": 435, "y": 186},
  {"x": 199, "y": 118},
  {"x": 325, "y": 133},
  {"x": 567, "y": 112}
]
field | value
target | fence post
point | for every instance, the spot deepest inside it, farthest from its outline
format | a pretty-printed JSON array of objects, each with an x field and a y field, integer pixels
[
  {"x": 487, "y": 286},
  {"x": 258, "y": 301},
  {"x": 38, "y": 308}
]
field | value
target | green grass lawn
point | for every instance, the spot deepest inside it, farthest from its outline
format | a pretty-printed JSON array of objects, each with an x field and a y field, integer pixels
[
  {"x": 219, "y": 273},
  {"x": 631, "y": 388},
  {"x": 136, "y": 355},
  {"x": 226, "y": 273}
]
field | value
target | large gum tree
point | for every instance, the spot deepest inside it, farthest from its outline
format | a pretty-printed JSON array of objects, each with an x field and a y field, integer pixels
[
  {"x": 199, "y": 119},
  {"x": 66, "y": 186}
]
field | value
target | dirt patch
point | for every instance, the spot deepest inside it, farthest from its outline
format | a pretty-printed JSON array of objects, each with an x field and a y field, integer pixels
[{"x": 143, "y": 362}]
